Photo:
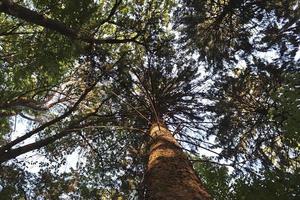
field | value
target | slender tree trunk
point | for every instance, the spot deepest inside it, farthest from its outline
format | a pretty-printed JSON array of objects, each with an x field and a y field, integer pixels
[{"x": 170, "y": 175}]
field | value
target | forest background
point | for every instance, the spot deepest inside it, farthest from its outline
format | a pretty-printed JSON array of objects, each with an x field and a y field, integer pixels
[{"x": 91, "y": 77}]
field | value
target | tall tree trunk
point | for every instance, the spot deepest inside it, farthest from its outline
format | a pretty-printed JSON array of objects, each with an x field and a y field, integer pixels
[{"x": 170, "y": 175}]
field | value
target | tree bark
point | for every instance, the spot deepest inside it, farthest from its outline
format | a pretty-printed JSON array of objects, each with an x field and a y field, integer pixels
[{"x": 170, "y": 175}]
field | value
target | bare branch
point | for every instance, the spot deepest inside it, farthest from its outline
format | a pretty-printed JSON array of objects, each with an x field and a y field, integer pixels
[{"x": 6, "y": 147}]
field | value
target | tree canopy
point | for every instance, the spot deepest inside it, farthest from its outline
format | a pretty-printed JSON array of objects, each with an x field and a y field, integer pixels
[{"x": 87, "y": 78}]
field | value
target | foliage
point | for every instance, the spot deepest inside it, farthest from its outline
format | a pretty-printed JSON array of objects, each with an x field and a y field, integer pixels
[
  {"x": 224, "y": 185},
  {"x": 224, "y": 32},
  {"x": 89, "y": 77},
  {"x": 216, "y": 178},
  {"x": 254, "y": 112}
]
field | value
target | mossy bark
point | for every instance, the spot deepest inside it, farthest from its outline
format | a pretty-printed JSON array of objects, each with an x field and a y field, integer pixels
[{"x": 170, "y": 175}]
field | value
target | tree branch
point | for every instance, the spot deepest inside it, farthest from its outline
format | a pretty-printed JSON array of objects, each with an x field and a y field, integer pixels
[
  {"x": 13, "y": 153},
  {"x": 29, "y": 147},
  {"x": 6, "y": 147},
  {"x": 13, "y": 9}
]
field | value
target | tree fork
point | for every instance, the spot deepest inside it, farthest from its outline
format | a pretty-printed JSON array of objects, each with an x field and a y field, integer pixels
[{"x": 170, "y": 174}]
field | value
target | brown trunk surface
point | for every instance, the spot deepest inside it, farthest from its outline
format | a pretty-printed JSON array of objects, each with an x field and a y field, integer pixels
[{"x": 170, "y": 175}]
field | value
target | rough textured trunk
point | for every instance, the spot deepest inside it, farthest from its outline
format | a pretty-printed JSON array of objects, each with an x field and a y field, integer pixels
[{"x": 170, "y": 175}]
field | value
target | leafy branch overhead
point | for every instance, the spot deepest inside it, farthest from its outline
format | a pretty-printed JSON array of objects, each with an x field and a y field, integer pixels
[{"x": 137, "y": 92}]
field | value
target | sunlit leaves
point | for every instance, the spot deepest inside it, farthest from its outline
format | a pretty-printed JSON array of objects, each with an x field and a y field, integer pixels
[{"x": 250, "y": 105}]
